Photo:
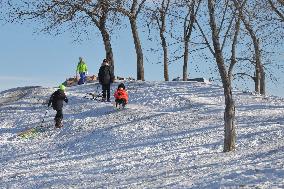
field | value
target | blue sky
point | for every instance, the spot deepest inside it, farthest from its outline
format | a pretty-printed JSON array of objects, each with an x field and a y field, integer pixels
[
  {"x": 29, "y": 58},
  {"x": 32, "y": 59}
]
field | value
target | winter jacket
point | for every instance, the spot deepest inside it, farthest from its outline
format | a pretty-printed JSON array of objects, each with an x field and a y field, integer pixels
[
  {"x": 57, "y": 99},
  {"x": 105, "y": 75},
  {"x": 121, "y": 94},
  {"x": 82, "y": 67}
]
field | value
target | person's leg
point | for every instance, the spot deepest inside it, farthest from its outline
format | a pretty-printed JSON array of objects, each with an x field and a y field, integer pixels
[
  {"x": 60, "y": 112},
  {"x": 104, "y": 92},
  {"x": 82, "y": 78},
  {"x": 123, "y": 103},
  {"x": 119, "y": 102},
  {"x": 116, "y": 102},
  {"x": 108, "y": 92},
  {"x": 85, "y": 77},
  {"x": 58, "y": 118},
  {"x": 57, "y": 115}
]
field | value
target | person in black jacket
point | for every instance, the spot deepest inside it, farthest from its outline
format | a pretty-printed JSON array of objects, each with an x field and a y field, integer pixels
[
  {"x": 56, "y": 100},
  {"x": 106, "y": 77}
]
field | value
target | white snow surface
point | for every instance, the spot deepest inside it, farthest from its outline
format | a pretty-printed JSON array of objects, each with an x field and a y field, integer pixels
[{"x": 170, "y": 136}]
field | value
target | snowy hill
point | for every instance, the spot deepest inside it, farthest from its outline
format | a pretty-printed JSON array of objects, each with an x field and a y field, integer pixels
[{"x": 170, "y": 136}]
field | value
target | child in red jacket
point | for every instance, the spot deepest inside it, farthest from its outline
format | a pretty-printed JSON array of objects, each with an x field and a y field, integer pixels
[{"x": 121, "y": 96}]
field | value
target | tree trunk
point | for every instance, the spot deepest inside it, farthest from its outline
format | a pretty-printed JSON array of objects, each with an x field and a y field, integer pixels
[
  {"x": 233, "y": 51},
  {"x": 138, "y": 48},
  {"x": 107, "y": 44},
  {"x": 262, "y": 82},
  {"x": 229, "y": 118},
  {"x": 257, "y": 79},
  {"x": 101, "y": 24},
  {"x": 161, "y": 21},
  {"x": 259, "y": 72},
  {"x": 165, "y": 50},
  {"x": 187, "y": 34},
  {"x": 185, "y": 60},
  {"x": 229, "y": 114}
]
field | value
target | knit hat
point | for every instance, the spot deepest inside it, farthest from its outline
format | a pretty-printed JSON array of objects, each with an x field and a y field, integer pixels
[
  {"x": 62, "y": 87},
  {"x": 121, "y": 85}
]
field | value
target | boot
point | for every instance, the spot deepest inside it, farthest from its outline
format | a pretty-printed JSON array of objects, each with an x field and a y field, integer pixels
[
  {"x": 123, "y": 105},
  {"x": 58, "y": 123}
]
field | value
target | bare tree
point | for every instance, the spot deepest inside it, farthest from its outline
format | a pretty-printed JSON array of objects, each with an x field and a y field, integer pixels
[
  {"x": 259, "y": 71},
  {"x": 132, "y": 14},
  {"x": 160, "y": 18},
  {"x": 56, "y": 15},
  {"x": 189, "y": 21},
  {"x": 163, "y": 26},
  {"x": 229, "y": 114}
]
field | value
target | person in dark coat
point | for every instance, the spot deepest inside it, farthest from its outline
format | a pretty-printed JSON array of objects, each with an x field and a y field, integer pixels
[
  {"x": 56, "y": 100},
  {"x": 106, "y": 77}
]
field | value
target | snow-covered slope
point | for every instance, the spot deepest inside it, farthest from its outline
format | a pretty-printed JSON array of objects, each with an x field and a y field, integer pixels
[{"x": 170, "y": 136}]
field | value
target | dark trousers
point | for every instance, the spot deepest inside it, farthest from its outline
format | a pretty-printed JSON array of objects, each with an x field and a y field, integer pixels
[
  {"x": 120, "y": 101},
  {"x": 59, "y": 114},
  {"x": 106, "y": 91},
  {"x": 82, "y": 79}
]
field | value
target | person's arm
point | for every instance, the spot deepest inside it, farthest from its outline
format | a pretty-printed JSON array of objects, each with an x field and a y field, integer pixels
[
  {"x": 126, "y": 95},
  {"x": 86, "y": 69},
  {"x": 63, "y": 97},
  {"x": 100, "y": 75},
  {"x": 50, "y": 99},
  {"x": 66, "y": 99}
]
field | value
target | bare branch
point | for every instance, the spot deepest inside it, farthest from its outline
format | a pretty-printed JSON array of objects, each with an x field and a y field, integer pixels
[
  {"x": 205, "y": 38},
  {"x": 280, "y": 14}
]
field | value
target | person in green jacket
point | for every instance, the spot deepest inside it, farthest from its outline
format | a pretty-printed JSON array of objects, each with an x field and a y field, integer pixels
[{"x": 82, "y": 70}]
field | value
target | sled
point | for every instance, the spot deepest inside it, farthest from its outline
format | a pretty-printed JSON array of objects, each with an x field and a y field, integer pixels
[{"x": 32, "y": 132}]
